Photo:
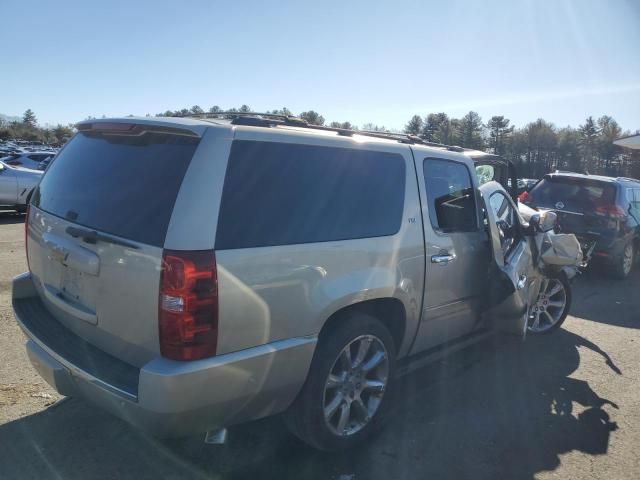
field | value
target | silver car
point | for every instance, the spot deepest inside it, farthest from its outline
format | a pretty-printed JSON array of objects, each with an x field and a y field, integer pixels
[
  {"x": 190, "y": 274},
  {"x": 30, "y": 160},
  {"x": 16, "y": 186}
]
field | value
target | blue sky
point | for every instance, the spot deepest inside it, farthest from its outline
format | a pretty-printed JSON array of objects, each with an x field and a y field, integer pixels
[{"x": 366, "y": 61}]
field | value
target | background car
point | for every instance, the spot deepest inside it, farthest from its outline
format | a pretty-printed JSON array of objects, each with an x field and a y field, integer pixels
[
  {"x": 27, "y": 160},
  {"x": 526, "y": 184},
  {"x": 603, "y": 212},
  {"x": 16, "y": 186}
]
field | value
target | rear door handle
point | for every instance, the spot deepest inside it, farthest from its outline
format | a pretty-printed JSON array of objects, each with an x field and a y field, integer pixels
[{"x": 442, "y": 258}]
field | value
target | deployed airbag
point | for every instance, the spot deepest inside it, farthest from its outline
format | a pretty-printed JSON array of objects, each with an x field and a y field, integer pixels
[{"x": 561, "y": 249}]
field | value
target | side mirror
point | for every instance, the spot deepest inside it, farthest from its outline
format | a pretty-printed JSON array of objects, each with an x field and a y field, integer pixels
[
  {"x": 548, "y": 221},
  {"x": 543, "y": 222}
]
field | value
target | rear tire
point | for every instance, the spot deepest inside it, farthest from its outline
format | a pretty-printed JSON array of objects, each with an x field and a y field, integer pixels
[
  {"x": 624, "y": 265},
  {"x": 361, "y": 389}
]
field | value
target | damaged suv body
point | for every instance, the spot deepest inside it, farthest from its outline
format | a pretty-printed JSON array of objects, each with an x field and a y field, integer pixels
[{"x": 189, "y": 274}]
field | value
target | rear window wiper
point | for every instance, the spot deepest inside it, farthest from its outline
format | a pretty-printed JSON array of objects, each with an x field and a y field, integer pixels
[{"x": 91, "y": 236}]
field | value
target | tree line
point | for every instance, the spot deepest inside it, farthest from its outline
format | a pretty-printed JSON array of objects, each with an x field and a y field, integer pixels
[
  {"x": 310, "y": 116},
  {"x": 537, "y": 148},
  {"x": 28, "y": 129}
]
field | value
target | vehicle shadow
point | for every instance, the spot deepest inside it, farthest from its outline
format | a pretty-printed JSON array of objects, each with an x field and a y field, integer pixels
[
  {"x": 491, "y": 411},
  {"x": 9, "y": 217},
  {"x": 601, "y": 298}
]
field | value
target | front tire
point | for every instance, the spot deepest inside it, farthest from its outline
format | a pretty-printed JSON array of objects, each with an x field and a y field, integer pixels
[
  {"x": 552, "y": 305},
  {"x": 346, "y": 392}
]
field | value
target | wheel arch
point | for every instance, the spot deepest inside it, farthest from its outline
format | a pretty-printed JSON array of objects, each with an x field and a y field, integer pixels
[{"x": 389, "y": 311}]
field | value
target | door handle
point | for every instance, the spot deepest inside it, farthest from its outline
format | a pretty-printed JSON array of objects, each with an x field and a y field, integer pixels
[
  {"x": 522, "y": 281},
  {"x": 442, "y": 258}
]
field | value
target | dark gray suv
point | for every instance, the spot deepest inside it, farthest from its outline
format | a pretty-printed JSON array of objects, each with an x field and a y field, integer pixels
[{"x": 603, "y": 212}]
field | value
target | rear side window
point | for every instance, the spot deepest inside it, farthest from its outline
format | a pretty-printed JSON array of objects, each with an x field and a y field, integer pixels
[
  {"x": 282, "y": 194},
  {"x": 450, "y": 194},
  {"x": 123, "y": 185}
]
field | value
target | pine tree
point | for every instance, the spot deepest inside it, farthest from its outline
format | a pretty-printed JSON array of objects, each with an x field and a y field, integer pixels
[
  {"x": 499, "y": 129},
  {"x": 414, "y": 127},
  {"x": 29, "y": 118}
]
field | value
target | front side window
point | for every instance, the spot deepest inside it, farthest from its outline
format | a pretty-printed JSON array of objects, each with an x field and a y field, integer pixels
[
  {"x": 283, "y": 194},
  {"x": 450, "y": 195},
  {"x": 507, "y": 220}
]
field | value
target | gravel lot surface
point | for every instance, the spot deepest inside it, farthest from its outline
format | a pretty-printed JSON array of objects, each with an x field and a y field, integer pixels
[{"x": 566, "y": 405}]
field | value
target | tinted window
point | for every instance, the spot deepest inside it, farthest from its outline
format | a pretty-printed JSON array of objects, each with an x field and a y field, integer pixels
[
  {"x": 279, "y": 194},
  {"x": 452, "y": 206},
  {"x": 507, "y": 220},
  {"x": 574, "y": 193},
  {"x": 125, "y": 186}
]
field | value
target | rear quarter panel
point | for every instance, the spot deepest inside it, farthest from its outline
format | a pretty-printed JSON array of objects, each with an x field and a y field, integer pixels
[{"x": 273, "y": 293}]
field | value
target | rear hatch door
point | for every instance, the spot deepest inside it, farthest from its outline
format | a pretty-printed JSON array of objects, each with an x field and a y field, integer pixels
[
  {"x": 97, "y": 227},
  {"x": 585, "y": 207}
]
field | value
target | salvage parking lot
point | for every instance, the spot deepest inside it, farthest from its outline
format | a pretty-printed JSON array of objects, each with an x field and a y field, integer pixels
[{"x": 565, "y": 405}]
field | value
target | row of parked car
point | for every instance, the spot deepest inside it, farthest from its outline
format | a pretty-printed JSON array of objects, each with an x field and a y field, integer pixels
[{"x": 23, "y": 154}]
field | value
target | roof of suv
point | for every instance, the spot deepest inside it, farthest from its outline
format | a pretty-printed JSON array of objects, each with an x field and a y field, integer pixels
[
  {"x": 601, "y": 178},
  {"x": 199, "y": 125}
]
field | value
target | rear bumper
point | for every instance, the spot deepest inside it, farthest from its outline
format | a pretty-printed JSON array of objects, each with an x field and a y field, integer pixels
[
  {"x": 606, "y": 249},
  {"x": 170, "y": 398}
]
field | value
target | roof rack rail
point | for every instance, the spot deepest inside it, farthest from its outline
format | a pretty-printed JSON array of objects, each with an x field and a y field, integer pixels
[
  {"x": 628, "y": 179},
  {"x": 257, "y": 119}
]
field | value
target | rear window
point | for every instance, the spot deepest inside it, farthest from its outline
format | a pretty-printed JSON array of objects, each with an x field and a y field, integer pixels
[
  {"x": 574, "y": 194},
  {"x": 281, "y": 194},
  {"x": 125, "y": 186}
]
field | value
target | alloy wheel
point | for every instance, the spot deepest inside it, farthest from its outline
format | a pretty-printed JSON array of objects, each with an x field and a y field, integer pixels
[
  {"x": 355, "y": 386},
  {"x": 549, "y": 307}
]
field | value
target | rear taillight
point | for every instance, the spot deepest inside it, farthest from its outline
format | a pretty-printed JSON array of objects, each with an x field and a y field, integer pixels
[
  {"x": 612, "y": 211},
  {"x": 188, "y": 305},
  {"x": 26, "y": 235},
  {"x": 524, "y": 197}
]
